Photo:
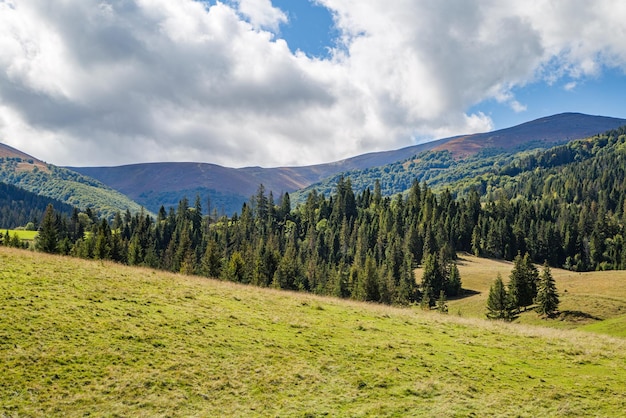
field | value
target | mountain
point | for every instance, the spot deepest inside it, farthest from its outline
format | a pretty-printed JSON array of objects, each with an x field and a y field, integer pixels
[
  {"x": 31, "y": 174},
  {"x": 156, "y": 184},
  {"x": 459, "y": 160}
]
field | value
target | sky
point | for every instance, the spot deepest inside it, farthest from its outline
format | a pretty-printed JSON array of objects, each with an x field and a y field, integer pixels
[{"x": 294, "y": 82}]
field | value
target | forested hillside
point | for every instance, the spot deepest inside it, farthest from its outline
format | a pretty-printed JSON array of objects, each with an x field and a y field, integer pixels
[
  {"x": 465, "y": 157},
  {"x": 564, "y": 206},
  {"x": 64, "y": 185},
  {"x": 18, "y": 207}
]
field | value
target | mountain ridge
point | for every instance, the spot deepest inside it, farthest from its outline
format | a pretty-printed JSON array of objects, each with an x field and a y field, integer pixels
[{"x": 156, "y": 184}]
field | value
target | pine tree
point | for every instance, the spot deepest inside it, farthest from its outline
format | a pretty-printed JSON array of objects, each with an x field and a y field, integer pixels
[
  {"x": 547, "y": 297},
  {"x": 499, "y": 303}
]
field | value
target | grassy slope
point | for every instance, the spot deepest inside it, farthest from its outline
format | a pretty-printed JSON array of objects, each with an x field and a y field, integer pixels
[
  {"x": 586, "y": 298},
  {"x": 80, "y": 337}
]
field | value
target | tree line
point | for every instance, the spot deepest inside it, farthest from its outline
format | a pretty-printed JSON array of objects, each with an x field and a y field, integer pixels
[
  {"x": 362, "y": 246},
  {"x": 365, "y": 245}
]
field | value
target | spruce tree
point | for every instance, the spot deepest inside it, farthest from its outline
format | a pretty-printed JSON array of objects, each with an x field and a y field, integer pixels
[
  {"x": 499, "y": 303},
  {"x": 523, "y": 281},
  {"x": 442, "y": 303},
  {"x": 453, "y": 283},
  {"x": 547, "y": 297},
  {"x": 48, "y": 237},
  {"x": 432, "y": 277}
]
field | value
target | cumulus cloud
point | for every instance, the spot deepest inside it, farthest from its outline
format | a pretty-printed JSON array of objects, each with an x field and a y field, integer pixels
[
  {"x": 262, "y": 14},
  {"x": 122, "y": 81}
]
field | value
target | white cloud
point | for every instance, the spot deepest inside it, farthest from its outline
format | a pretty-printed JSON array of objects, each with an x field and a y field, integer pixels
[
  {"x": 517, "y": 106},
  {"x": 120, "y": 81},
  {"x": 262, "y": 14}
]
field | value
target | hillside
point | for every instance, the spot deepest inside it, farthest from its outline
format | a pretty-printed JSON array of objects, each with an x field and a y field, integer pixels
[
  {"x": 80, "y": 337},
  {"x": 228, "y": 188},
  {"x": 463, "y": 158},
  {"x": 156, "y": 184},
  {"x": 589, "y": 301},
  {"x": 28, "y": 173},
  {"x": 18, "y": 206}
]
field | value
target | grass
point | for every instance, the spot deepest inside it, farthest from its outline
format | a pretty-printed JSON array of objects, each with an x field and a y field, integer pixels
[
  {"x": 586, "y": 298},
  {"x": 22, "y": 234},
  {"x": 91, "y": 338}
]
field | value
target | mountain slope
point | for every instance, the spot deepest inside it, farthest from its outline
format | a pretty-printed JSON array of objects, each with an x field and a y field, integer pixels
[
  {"x": 156, "y": 184},
  {"x": 93, "y": 338},
  {"x": 464, "y": 158},
  {"x": 26, "y": 172},
  {"x": 165, "y": 183},
  {"x": 18, "y": 206}
]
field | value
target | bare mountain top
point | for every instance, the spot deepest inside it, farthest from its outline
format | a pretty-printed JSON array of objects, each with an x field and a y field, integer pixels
[{"x": 543, "y": 132}]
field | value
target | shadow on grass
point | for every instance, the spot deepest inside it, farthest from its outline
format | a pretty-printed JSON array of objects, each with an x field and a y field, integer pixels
[
  {"x": 465, "y": 293},
  {"x": 461, "y": 261},
  {"x": 577, "y": 316}
]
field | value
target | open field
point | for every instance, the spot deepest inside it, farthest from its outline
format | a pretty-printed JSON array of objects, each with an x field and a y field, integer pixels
[
  {"x": 22, "y": 234},
  {"x": 586, "y": 298},
  {"x": 81, "y": 337}
]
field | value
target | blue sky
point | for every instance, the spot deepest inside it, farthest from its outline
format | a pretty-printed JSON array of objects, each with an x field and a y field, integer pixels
[
  {"x": 294, "y": 82},
  {"x": 311, "y": 29}
]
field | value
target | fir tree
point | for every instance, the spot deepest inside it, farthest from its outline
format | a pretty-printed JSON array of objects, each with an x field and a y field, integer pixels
[{"x": 547, "y": 297}]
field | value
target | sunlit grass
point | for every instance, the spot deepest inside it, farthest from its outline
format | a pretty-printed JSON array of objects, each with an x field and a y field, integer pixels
[
  {"x": 94, "y": 338},
  {"x": 586, "y": 298},
  {"x": 22, "y": 234}
]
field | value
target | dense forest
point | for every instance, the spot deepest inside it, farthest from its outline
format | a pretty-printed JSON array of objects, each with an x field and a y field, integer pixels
[
  {"x": 19, "y": 207},
  {"x": 564, "y": 206},
  {"x": 63, "y": 185}
]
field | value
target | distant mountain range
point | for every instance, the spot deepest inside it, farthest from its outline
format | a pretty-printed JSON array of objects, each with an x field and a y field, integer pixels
[
  {"x": 444, "y": 161},
  {"x": 156, "y": 184}
]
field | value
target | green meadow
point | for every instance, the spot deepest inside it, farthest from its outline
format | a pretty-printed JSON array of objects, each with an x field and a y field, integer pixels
[
  {"x": 592, "y": 301},
  {"x": 88, "y": 338},
  {"x": 22, "y": 234}
]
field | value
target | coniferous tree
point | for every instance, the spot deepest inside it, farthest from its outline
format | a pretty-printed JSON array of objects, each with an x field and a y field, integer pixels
[
  {"x": 523, "y": 281},
  {"x": 547, "y": 296},
  {"x": 442, "y": 303},
  {"x": 499, "y": 303},
  {"x": 453, "y": 283},
  {"x": 432, "y": 278},
  {"x": 48, "y": 237}
]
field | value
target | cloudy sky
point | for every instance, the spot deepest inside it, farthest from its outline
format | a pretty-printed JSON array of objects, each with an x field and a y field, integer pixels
[{"x": 293, "y": 82}]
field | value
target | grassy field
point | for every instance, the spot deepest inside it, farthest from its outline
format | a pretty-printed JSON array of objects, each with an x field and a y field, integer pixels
[
  {"x": 22, "y": 234},
  {"x": 586, "y": 298},
  {"x": 90, "y": 338}
]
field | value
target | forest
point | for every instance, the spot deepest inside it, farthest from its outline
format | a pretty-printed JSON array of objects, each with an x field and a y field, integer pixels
[
  {"x": 564, "y": 206},
  {"x": 19, "y": 207}
]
